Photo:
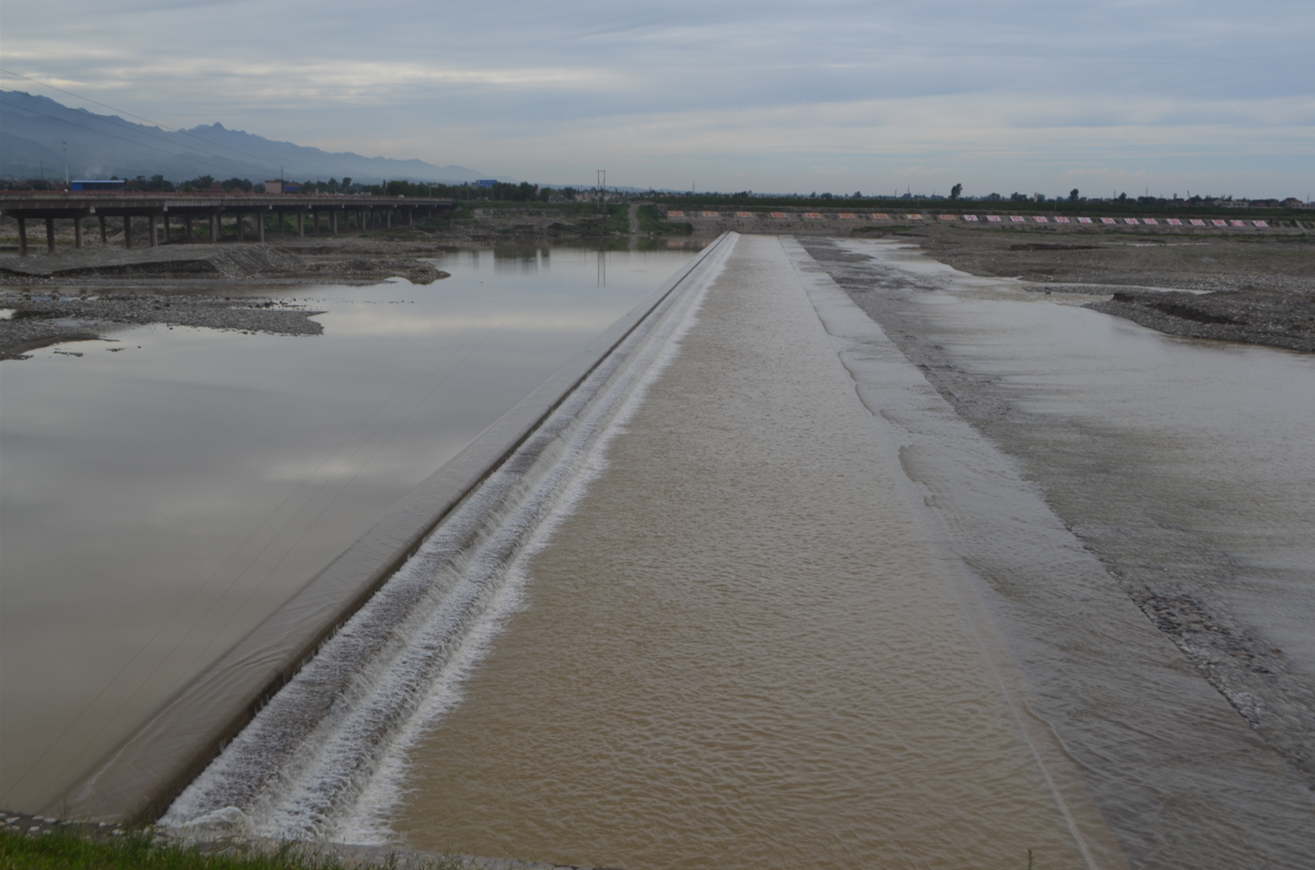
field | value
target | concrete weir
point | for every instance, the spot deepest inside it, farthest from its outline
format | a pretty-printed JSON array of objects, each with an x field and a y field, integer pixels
[
  {"x": 783, "y": 607},
  {"x": 139, "y": 779}
]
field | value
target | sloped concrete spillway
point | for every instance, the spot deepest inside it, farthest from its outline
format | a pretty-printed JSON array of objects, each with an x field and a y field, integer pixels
[{"x": 755, "y": 596}]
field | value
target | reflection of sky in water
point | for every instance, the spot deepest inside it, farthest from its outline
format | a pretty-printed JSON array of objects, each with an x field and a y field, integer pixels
[{"x": 158, "y": 501}]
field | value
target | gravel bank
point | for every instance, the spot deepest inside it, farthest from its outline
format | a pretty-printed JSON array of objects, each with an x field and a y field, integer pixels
[
  {"x": 41, "y": 320},
  {"x": 1259, "y": 290},
  {"x": 1272, "y": 317},
  {"x": 358, "y": 261}
]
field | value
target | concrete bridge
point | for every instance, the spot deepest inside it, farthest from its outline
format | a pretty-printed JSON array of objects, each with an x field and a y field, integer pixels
[{"x": 339, "y": 212}]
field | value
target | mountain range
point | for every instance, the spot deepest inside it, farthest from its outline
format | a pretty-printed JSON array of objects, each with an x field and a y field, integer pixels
[{"x": 36, "y": 130}]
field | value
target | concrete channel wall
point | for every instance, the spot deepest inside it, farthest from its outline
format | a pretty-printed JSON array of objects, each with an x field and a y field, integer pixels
[{"x": 139, "y": 779}]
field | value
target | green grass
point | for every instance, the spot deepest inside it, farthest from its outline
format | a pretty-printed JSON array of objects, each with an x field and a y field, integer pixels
[
  {"x": 651, "y": 223},
  {"x": 141, "y": 850}
]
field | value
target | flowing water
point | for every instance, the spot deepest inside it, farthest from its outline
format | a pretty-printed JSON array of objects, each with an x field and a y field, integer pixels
[
  {"x": 785, "y": 584},
  {"x": 741, "y": 650},
  {"x": 158, "y": 501}
]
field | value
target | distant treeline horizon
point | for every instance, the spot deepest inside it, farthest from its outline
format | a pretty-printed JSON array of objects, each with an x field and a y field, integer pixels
[{"x": 525, "y": 192}]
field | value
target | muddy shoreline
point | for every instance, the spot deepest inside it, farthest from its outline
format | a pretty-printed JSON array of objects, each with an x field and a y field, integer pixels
[
  {"x": 85, "y": 295},
  {"x": 1260, "y": 290},
  {"x": 41, "y": 320},
  {"x": 1176, "y": 593}
]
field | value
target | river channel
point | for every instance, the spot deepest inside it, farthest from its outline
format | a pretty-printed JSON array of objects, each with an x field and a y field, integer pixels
[{"x": 164, "y": 491}]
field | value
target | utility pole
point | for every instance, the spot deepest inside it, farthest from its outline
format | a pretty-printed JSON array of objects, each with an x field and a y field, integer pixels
[
  {"x": 64, "y": 142},
  {"x": 602, "y": 189}
]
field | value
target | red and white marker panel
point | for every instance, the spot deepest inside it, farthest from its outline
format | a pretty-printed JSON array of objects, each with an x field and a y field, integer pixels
[
  {"x": 846, "y": 216},
  {"x": 1108, "y": 221},
  {"x": 778, "y": 214},
  {"x": 1264, "y": 225},
  {"x": 709, "y": 214},
  {"x": 994, "y": 218},
  {"x": 1174, "y": 222},
  {"x": 1018, "y": 219},
  {"x": 970, "y": 217},
  {"x": 1084, "y": 220},
  {"x": 880, "y": 216},
  {"x": 1061, "y": 220},
  {"x": 1197, "y": 223},
  {"x": 747, "y": 214},
  {"x": 674, "y": 213},
  {"x": 812, "y": 215}
]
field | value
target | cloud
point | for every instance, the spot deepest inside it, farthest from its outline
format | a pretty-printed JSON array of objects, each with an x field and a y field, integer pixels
[{"x": 999, "y": 92}]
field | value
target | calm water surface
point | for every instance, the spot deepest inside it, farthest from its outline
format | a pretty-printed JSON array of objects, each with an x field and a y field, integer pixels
[{"x": 158, "y": 501}]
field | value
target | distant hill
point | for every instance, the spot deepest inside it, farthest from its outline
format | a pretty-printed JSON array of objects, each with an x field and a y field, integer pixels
[{"x": 99, "y": 146}]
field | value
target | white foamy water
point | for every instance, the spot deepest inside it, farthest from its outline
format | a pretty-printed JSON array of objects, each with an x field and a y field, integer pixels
[{"x": 323, "y": 759}]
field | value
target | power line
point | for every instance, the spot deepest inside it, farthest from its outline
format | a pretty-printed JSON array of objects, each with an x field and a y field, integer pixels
[{"x": 147, "y": 120}]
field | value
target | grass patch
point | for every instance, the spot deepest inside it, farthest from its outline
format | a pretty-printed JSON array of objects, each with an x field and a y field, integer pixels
[
  {"x": 651, "y": 223},
  {"x": 144, "y": 850}
]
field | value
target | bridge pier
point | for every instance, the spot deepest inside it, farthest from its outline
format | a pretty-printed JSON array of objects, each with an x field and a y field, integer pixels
[{"x": 360, "y": 215}]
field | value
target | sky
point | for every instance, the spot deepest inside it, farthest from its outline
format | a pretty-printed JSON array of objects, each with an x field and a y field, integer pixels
[{"x": 1144, "y": 96}]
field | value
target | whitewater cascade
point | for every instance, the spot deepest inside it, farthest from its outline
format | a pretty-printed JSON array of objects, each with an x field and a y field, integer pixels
[{"x": 324, "y": 758}]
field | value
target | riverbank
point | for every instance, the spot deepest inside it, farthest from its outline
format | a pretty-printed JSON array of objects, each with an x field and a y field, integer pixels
[
  {"x": 35, "y": 321},
  {"x": 1254, "y": 289}
]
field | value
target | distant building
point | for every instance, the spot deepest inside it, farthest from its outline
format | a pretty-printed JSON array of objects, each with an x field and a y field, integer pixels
[
  {"x": 275, "y": 186},
  {"x": 99, "y": 184},
  {"x": 486, "y": 182}
]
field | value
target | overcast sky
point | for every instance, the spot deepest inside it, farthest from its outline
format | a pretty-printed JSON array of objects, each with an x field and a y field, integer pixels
[{"x": 1000, "y": 95}]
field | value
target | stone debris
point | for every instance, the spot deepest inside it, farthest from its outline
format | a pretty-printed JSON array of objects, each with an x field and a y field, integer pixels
[
  {"x": 39, "y": 320},
  {"x": 1276, "y": 318},
  {"x": 355, "y": 261}
]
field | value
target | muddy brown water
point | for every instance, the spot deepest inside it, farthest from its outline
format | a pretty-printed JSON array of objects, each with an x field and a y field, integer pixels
[
  {"x": 788, "y": 606},
  {"x": 741, "y": 650}
]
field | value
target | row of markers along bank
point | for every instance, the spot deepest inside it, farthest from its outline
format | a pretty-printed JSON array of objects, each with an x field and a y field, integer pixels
[{"x": 990, "y": 218}]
